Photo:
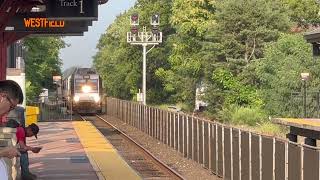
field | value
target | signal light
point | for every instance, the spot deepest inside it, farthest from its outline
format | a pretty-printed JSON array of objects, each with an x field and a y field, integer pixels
[
  {"x": 155, "y": 30},
  {"x": 155, "y": 20},
  {"x": 134, "y": 30},
  {"x": 134, "y": 20}
]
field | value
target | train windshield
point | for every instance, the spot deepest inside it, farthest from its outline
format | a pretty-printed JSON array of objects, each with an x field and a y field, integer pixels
[{"x": 87, "y": 86}]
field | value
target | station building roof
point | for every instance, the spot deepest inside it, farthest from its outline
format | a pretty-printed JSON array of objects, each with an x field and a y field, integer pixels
[{"x": 313, "y": 36}]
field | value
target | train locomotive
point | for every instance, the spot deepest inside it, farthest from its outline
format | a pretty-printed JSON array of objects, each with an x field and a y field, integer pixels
[{"x": 82, "y": 88}]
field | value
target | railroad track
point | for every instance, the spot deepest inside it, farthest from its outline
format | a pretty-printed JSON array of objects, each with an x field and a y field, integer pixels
[{"x": 139, "y": 158}]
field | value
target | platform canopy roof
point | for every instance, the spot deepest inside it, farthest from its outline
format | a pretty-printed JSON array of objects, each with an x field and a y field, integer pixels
[{"x": 19, "y": 18}]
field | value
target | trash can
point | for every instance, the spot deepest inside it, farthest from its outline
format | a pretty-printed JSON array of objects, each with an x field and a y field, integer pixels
[{"x": 32, "y": 113}]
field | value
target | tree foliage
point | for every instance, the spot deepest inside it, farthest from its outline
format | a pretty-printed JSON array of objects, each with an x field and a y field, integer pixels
[
  {"x": 243, "y": 52},
  {"x": 42, "y": 62},
  {"x": 191, "y": 19},
  {"x": 125, "y": 61},
  {"x": 279, "y": 73},
  {"x": 304, "y": 13},
  {"x": 244, "y": 26}
]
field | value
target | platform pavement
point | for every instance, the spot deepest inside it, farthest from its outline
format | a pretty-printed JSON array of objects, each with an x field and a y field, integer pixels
[{"x": 76, "y": 150}]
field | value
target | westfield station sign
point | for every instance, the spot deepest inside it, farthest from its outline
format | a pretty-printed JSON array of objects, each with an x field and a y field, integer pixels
[{"x": 58, "y": 17}]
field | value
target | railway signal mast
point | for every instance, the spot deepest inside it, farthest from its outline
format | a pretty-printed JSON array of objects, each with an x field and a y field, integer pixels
[{"x": 144, "y": 38}]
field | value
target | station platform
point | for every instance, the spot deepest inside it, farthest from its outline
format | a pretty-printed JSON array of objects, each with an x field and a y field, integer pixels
[{"x": 76, "y": 150}]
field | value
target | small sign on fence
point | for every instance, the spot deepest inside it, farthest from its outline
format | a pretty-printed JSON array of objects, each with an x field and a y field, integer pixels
[{"x": 139, "y": 97}]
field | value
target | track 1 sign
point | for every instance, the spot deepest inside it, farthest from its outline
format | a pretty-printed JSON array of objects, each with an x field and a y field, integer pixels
[{"x": 72, "y": 9}]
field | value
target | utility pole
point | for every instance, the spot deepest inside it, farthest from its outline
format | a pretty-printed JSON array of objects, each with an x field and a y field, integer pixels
[{"x": 145, "y": 39}]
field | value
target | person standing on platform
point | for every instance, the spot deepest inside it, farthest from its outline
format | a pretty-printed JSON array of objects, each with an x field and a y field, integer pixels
[
  {"x": 10, "y": 96},
  {"x": 22, "y": 133}
]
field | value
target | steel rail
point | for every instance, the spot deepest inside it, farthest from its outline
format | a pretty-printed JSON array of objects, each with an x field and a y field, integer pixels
[{"x": 145, "y": 151}]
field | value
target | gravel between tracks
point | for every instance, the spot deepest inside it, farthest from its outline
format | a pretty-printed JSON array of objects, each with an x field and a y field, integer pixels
[{"x": 186, "y": 167}]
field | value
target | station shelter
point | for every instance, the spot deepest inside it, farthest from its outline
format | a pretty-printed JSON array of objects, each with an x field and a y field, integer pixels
[{"x": 21, "y": 18}]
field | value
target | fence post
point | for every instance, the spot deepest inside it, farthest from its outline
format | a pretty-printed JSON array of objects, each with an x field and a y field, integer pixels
[
  {"x": 301, "y": 156},
  {"x": 170, "y": 127},
  {"x": 217, "y": 150},
  {"x": 209, "y": 143},
  {"x": 231, "y": 153},
  {"x": 188, "y": 150},
  {"x": 174, "y": 131},
  {"x": 240, "y": 154},
  {"x": 250, "y": 163},
  {"x": 167, "y": 128},
  {"x": 260, "y": 157},
  {"x": 198, "y": 141},
  {"x": 179, "y": 133},
  {"x": 124, "y": 111},
  {"x": 203, "y": 149},
  {"x": 192, "y": 137},
  {"x": 223, "y": 157},
  {"x": 183, "y": 131},
  {"x": 143, "y": 118},
  {"x": 286, "y": 160},
  {"x": 149, "y": 121},
  {"x": 161, "y": 125},
  {"x": 155, "y": 128},
  {"x": 273, "y": 158}
]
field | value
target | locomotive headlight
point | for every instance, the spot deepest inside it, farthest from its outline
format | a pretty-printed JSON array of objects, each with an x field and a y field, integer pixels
[
  {"x": 86, "y": 89},
  {"x": 76, "y": 98},
  {"x": 96, "y": 98}
]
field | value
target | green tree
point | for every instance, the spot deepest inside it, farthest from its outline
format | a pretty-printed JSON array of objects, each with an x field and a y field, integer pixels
[
  {"x": 42, "y": 61},
  {"x": 230, "y": 47},
  {"x": 190, "y": 19},
  {"x": 116, "y": 61},
  {"x": 304, "y": 12},
  {"x": 125, "y": 61},
  {"x": 245, "y": 26},
  {"x": 279, "y": 73}
]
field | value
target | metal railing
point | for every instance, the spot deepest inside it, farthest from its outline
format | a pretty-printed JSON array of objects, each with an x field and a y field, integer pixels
[
  {"x": 228, "y": 152},
  {"x": 54, "y": 110}
]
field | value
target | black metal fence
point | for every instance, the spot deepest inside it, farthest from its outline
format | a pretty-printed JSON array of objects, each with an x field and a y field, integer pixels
[
  {"x": 228, "y": 152},
  {"x": 54, "y": 110},
  {"x": 312, "y": 104}
]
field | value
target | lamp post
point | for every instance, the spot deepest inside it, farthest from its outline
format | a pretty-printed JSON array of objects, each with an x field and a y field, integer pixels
[
  {"x": 145, "y": 39},
  {"x": 304, "y": 78}
]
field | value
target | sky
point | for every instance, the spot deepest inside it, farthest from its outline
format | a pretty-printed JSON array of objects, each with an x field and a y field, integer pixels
[{"x": 83, "y": 48}]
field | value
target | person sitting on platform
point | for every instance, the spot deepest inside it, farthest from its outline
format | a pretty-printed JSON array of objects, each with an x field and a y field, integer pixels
[{"x": 22, "y": 133}]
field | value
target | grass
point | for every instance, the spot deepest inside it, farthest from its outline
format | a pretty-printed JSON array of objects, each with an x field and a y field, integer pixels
[
  {"x": 252, "y": 119},
  {"x": 272, "y": 129}
]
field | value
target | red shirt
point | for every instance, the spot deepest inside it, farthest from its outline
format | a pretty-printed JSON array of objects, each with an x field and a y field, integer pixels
[{"x": 21, "y": 134}]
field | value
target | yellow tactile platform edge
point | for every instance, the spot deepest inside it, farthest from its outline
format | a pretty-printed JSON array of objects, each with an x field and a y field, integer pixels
[
  {"x": 104, "y": 158},
  {"x": 300, "y": 121}
]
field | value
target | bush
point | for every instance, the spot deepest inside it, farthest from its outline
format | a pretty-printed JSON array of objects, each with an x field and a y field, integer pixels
[
  {"x": 243, "y": 115},
  {"x": 272, "y": 129}
]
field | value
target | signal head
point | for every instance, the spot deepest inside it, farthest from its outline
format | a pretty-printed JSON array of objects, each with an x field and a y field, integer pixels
[
  {"x": 134, "y": 30},
  {"x": 134, "y": 20},
  {"x": 155, "y": 20},
  {"x": 155, "y": 30}
]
